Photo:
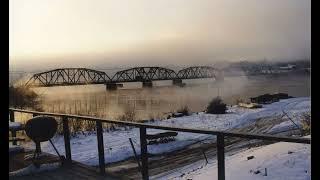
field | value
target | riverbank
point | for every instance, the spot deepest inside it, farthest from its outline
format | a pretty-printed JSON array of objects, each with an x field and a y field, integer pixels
[{"x": 117, "y": 146}]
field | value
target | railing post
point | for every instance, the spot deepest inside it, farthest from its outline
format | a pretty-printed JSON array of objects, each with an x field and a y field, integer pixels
[
  {"x": 66, "y": 135},
  {"x": 100, "y": 147},
  {"x": 11, "y": 113},
  {"x": 220, "y": 149},
  {"x": 144, "y": 153},
  {"x": 13, "y": 133},
  {"x": 38, "y": 144}
]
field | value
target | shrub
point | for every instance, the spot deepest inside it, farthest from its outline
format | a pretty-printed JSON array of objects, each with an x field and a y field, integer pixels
[
  {"x": 306, "y": 123},
  {"x": 216, "y": 106},
  {"x": 76, "y": 126},
  {"x": 23, "y": 97},
  {"x": 128, "y": 115},
  {"x": 184, "y": 110},
  {"x": 240, "y": 100}
]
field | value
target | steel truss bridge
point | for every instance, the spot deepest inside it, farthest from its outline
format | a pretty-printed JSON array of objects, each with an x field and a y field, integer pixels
[{"x": 83, "y": 76}]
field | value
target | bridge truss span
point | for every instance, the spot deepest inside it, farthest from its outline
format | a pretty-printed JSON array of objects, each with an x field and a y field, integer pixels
[
  {"x": 144, "y": 74},
  {"x": 83, "y": 76},
  {"x": 68, "y": 76},
  {"x": 197, "y": 72}
]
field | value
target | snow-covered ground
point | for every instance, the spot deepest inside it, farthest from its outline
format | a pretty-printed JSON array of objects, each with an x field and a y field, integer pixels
[
  {"x": 276, "y": 161},
  {"x": 14, "y": 125},
  {"x": 32, "y": 169},
  {"x": 117, "y": 146}
]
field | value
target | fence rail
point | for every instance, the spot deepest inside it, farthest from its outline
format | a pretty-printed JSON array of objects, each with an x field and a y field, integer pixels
[{"x": 143, "y": 141}]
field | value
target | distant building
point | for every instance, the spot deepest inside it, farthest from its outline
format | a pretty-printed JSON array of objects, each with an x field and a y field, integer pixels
[{"x": 288, "y": 67}]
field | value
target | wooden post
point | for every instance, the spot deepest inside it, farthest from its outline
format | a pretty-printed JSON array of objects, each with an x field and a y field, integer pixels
[
  {"x": 265, "y": 172},
  {"x": 144, "y": 153},
  {"x": 66, "y": 135},
  {"x": 100, "y": 147},
  {"x": 220, "y": 149},
  {"x": 204, "y": 154},
  {"x": 38, "y": 145},
  {"x": 13, "y": 133},
  {"x": 11, "y": 113}
]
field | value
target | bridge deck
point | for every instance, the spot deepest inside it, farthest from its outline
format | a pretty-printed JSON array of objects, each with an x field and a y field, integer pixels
[{"x": 75, "y": 171}]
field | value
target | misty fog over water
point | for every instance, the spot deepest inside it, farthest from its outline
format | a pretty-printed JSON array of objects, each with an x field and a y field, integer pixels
[
  {"x": 164, "y": 98},
  {"x": 113, "y": 35}
]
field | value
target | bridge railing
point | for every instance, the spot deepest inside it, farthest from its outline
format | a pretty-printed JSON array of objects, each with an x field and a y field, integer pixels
[{"x": 143, "y": 141}]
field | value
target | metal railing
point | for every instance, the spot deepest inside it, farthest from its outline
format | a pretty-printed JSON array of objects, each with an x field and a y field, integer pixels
[{"x": 143, "y": 141}]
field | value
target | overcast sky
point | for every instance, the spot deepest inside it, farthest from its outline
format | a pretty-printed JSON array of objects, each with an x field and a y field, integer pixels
[{"x": 156, "y": 32}]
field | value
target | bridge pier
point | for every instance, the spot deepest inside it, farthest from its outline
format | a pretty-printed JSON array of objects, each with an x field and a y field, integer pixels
[
  {"x": 147, "y": 84},
  {"x": 111, "y": 86},
  {"x": 178, "y": 82}
]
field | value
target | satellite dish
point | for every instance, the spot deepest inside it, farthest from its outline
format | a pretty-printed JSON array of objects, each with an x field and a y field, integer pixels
[{"x": 41, "y": 128}]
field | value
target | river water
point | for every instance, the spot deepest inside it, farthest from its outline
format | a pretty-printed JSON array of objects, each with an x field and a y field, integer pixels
[{"x": 164, "y": 98}]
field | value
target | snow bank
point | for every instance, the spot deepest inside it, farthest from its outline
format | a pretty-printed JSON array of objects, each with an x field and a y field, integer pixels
[
  {"x": 15, "y": 149},
  {"x": 32, "y": 169},
  {"x": 14, "y": 125},
  {"x": 281, "y": 160},
  {"x": 117, "y": 145}
]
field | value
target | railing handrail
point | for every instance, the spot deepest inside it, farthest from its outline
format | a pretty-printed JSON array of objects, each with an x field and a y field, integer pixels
[{"x": 189, "y": 130}]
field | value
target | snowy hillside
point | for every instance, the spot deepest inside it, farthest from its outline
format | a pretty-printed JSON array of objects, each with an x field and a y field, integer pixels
[
  {"x": 117, "y": 146},
  {"x": 276, "y": 161}
]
